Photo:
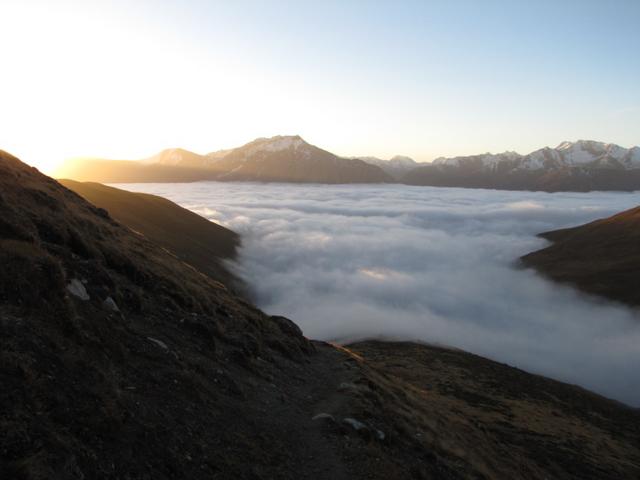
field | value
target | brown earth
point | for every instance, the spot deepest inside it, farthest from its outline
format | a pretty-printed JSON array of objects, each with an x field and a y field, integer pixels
[
  {"x": 600, "y": 258},
  {"x": 186, "y": 380}
]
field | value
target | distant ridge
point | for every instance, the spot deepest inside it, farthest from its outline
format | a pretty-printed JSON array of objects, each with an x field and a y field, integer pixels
[
  {"x": 275, "y": 159},
  {"x": 396, "y": 166},
  {"x": 571, "y": 166},
  {"x": 583, "y": 165}
]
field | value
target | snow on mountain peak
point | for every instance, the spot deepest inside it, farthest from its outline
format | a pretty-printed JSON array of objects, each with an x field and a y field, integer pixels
[
  {"x": 263, "y": 147},
  {"x": 279, "y": 143},
  {"x": 566, "y": 145},
  {"x": 402, "y": 160},
  {"x": 587, "y": 151},
  {"x": 485, "y": 159}
]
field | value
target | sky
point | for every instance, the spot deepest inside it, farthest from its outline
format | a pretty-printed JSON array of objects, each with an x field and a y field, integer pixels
[
  {"x": 349, "y": 262},
  {"x": 122, "y": 79}
]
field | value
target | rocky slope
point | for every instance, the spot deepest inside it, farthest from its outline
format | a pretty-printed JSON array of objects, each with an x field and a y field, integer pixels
[
  {"x": 601, "y": 257},
  {"x": 118, "y": 360},
  {"x": 571, "y": 166},
  {"x": 276, "y": 159},
  {"x": 192, "y": 238}
]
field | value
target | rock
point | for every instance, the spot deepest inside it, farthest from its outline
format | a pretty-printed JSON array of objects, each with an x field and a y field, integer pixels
[
  {"x": 361, "y": 429},
  {"x": 367, "y": 432},
  {"x": 327, "y": 417},
  {"x": 159, "y": 343},
  {"x": 355, "y": 424},
  {"x": 110, "y": 304},
  {"x": 77, "y": 289}
]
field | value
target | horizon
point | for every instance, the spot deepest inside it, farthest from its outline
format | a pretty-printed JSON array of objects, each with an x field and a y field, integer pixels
[
  {"x": 204, "y": 153},
  {"x": 115, "y": 80}
]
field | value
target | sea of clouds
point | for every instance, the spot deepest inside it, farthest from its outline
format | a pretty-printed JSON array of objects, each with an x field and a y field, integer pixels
[{"x": 438, "y": 265}]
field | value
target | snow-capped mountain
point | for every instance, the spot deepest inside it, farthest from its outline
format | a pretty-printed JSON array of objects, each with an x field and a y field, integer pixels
[
  {"x": 483, "y": 160},
  {"x": 275, "y": 159},
  {"x": 179, "y": 157},
  {"x": 567, "y": 154},
  {"x": 581, "y": 165},
  {"x": 583, "y": 153},
  {"x": 291, "y": 159}
]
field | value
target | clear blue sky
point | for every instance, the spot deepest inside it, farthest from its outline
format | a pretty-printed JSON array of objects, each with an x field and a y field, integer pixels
[{"x": 425, "y": 79}]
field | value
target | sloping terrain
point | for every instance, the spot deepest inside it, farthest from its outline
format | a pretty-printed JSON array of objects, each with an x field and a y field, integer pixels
[
  {"x": 118, "y": 360},
  {"x": 601, "y": 257},
  {"x": 192, "y": 238},
  {"x": 495, "y": 421}
]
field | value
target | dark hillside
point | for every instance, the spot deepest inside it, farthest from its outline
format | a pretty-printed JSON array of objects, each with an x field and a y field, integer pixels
[
  {"x": 601, "y": 257},
  {"x": 189, "y": 236}
]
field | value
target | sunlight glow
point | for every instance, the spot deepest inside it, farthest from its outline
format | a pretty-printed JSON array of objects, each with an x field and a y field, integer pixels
[{"x": 123, "y": 80}]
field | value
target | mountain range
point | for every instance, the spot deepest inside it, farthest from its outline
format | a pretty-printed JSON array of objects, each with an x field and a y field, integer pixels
[
  {"x": 571, "y": 166},
  {"x": 276, "y": 159}
]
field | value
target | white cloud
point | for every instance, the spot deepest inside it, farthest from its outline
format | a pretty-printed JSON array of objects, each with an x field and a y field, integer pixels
[{"x": 429, "y": 264}]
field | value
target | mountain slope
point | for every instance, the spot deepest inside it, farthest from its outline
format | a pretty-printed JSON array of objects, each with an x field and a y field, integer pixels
[
  {"x": 506, "y": 423},
  {"x": 276, "y": 159},
  {"x": 572, "y": 166},
  {"x": 601, "y": 257},
  {"x": 118, "y": 360},
  {"x": 291, "y": 159},
  {"x": 189, "y": 236}
]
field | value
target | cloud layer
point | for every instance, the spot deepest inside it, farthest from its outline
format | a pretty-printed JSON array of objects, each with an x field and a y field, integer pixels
[{"x": 432, "y": 264}]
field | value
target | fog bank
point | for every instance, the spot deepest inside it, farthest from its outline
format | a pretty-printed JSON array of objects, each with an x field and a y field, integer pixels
[{"x": 429, "y": 264}]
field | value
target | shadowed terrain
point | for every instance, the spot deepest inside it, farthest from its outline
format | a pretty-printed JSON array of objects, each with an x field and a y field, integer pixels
[
  {"x": 118, "y": 360},
  {"x": 189, "y": 236},
  {"x": 502, "y": 421},
  {"x": 601, "y": 257}
]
